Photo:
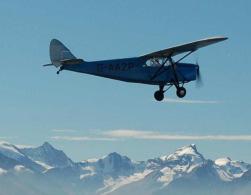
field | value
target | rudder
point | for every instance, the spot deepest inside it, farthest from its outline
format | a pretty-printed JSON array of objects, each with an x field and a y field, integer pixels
[{"x": 60, "y": 54}]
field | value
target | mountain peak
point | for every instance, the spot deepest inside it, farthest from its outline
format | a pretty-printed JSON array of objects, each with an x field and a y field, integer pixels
[
  {"x": 190, "y": 149},
  {"x": 47, "y": 145},
  {"x": 114, "y": 154},
  {"x": 115, "y": 157},
  {"x": 116, "y": 173},
  {"x": 49, "y": 155},
  {"x": 185, "y": 158},
  {"x": 193, "y": 146},
  {"x": 115, "y": 163}
]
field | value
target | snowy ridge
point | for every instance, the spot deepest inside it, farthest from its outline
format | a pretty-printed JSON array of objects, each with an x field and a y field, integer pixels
[
  {"x": 118, "y": 174},
  {"x": 13, "y": 153},
  {"x": 112, "y": 185},
  {"x": 184, "y": 159},
  {"x": 229, "y": 170},
  {"x": 10, "y": 150}
]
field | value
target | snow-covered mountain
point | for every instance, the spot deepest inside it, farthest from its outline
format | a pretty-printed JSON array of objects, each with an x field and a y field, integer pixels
[
  {"x": 48, "y": 156},
  {"x": 231, "y": 169},
  {"x": 15, "y": 154},
  {"x": 185, "y": 170},
  {"x": 113, "y": 165}
]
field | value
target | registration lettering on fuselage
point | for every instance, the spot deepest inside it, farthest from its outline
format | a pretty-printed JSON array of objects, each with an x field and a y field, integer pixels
[{"x": 118, "y": 67}]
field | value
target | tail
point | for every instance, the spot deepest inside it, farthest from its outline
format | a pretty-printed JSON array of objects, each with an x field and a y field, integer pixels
[{"x": 60, "y": 55}]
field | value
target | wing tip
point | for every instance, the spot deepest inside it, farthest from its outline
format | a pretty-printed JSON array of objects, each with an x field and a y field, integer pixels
[{"x": 219, "y": 38}]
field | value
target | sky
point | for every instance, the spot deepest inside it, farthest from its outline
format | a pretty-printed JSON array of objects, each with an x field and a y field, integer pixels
[{"x": 88, "y": 116}]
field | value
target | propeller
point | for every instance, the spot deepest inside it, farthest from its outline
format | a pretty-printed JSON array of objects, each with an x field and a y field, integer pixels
[{"x": 199, "y": 82}]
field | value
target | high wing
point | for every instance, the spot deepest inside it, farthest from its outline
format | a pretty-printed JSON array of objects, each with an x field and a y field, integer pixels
[{"x": 189, "y": 47}]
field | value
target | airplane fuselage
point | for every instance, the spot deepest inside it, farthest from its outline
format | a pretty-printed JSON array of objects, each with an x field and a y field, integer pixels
[{"x": 135, "y": 70}]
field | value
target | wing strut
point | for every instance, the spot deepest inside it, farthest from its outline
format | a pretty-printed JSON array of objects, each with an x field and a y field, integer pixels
[
  {"x": 160, "y": 68},
  {"x": 173, "y": 65},
  {"x": 158, "y": 72},
  {"x": 189, "y": 53}
]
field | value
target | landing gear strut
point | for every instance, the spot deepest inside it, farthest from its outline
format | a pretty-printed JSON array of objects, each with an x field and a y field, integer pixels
[
  {"x": 178, "y": 80},
  {"x": 180, "y": 91}
]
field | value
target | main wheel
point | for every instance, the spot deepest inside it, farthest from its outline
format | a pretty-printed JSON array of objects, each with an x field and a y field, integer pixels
[
  {"x": 159, "y": 95},
  {"x": 181, "y": 92}
]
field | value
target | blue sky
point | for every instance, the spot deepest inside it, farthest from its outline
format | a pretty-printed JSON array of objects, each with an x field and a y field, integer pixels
[{"x": 88, "y": 116}]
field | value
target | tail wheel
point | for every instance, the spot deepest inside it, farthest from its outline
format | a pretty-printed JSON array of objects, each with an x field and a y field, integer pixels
[
  {"x": 159, "y": 95},
  {"x": 181, "y": 92}
]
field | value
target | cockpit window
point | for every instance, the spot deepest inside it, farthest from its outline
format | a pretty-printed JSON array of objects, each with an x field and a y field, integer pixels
[{"x": 153, "y": 62}]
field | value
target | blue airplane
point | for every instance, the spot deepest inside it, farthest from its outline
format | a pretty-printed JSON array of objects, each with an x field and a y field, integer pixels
[{"x": 157, "y": 68}]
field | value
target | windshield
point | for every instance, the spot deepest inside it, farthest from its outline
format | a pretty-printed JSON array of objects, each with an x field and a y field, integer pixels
[{"x": 157, "y": 62}]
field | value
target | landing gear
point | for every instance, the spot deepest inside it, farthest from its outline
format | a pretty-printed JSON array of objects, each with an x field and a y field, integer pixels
[
  {"x": 60, "y": 69},
  {"x": 181, "y": 92},
  {"x": 178, "y": 80},
  {"x": 159, "y": 95}
]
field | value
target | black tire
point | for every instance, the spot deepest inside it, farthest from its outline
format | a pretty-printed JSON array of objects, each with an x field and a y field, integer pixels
[
  {"x": 159, "y": 95},
  {"x": 181, "y": 92}
]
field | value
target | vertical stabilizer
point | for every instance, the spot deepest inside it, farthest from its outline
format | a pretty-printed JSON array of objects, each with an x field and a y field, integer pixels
[{"x": 59, "y": 53}]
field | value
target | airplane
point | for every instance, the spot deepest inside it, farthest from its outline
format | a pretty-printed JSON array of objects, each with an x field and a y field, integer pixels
[{"x": 156, "y": 68}]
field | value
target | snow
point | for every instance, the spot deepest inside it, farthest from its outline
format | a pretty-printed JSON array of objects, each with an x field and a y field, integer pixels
[
  {"x": 229, "y": 170},
  {"x": 241, "y": 165},
  {"x": 91, "y": 172},
  {"x": 88, "y": 168},
  {"x": 21, "y": 169},
  {"x": 2, "y": 171},
  {"x": 111, "y": 184},
  {"x": 48, "y": 156},
  {"x": 224, "y": 175},
  {"x": 222, "y": 161},
  {"x": 46, "y": 166},
  {"x": 91, "y": 160},
  {"x": 10, "y": 150},
  {"x": 183, "y": 160},
  {"x": 20, "y": 146},
  {"x": 83, "y": 176},
  {"x": 191, "y": 149},
  {"x": 117, "y": 171},
  {"x": 184, "y": 151},
  {"x": 167, "y": 177},
  {"x": 192, "y": 167}
]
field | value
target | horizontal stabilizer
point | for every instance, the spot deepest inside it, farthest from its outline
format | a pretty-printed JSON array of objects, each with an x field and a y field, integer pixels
[{"x": 48, "y": 65}]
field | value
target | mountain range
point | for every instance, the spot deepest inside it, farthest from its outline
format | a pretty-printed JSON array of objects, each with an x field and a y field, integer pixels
[{"x": 47, "y": 170}]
